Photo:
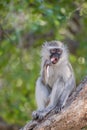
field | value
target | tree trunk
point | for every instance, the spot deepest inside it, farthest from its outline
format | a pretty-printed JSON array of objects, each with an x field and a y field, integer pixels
[{"x": 72, "y": 117}]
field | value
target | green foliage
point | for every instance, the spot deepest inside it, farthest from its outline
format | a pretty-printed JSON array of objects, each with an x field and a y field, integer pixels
[
  {"x": 24, "y": 26},
  {"x": 19, "y": 70}
]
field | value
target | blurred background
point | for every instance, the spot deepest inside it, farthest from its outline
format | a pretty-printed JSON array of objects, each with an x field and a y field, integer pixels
[{"x": 24, "y": 26}]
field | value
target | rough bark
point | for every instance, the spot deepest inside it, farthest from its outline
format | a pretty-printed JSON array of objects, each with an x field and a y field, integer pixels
[{"x": 72, "y": 117}]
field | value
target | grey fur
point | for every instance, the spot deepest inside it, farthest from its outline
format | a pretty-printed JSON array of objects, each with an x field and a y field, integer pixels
[{"x": 53, "y": 91}]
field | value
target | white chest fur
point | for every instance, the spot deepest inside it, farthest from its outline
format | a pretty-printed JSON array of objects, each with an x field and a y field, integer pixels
[{"x": 54, "y": 73}]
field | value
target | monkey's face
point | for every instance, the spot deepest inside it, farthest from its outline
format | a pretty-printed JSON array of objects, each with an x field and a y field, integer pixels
[{"x": 55, "y": 55}]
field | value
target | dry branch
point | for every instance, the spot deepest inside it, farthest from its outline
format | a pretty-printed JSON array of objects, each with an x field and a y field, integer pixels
[{"x": 72, "y": 117}]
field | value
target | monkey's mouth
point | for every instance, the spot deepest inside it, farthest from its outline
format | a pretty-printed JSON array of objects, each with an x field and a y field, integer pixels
[{"x": 54, "y": 60}]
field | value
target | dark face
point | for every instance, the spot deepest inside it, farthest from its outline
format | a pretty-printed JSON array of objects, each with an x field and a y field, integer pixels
[{"x": 55, "y": 55}]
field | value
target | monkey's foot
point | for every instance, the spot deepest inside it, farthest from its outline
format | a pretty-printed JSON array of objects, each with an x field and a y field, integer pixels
[
  {"x": 38, "y": 115},
  {"x": 35, "y": 114},
  {"x": 41, "y": 116},
  {"x": 57, "y": 109}
]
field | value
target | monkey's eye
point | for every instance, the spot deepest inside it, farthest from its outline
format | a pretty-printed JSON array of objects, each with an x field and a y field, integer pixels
[
  {"x": 53, "y": 51},
  {"x": 56, "y": 50},
  {"x": 59, "y": 51}
]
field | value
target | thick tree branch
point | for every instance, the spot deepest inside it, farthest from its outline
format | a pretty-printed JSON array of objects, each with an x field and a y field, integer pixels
[{"x": 72, "y": 117}]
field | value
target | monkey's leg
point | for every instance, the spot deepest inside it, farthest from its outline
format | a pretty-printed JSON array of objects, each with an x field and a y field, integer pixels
[
  {"x": 54, "y": 97},
  {"x": 42, "y": 95}
]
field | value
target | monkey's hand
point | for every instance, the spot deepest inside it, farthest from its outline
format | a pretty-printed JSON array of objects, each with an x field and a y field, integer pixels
[
  {"x": 39, "y": 115},
  {"x": 58, "y": 107},
  {"x": 45, "y": 73}
]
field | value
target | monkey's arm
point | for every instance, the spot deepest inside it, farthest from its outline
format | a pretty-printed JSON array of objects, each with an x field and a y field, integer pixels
[
  {"x": 45, "y": 71},
  {"x": 68, "y": 89}
]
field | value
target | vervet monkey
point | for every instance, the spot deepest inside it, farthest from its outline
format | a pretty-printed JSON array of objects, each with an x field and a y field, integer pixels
[{"x": 56, "y": 81}]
